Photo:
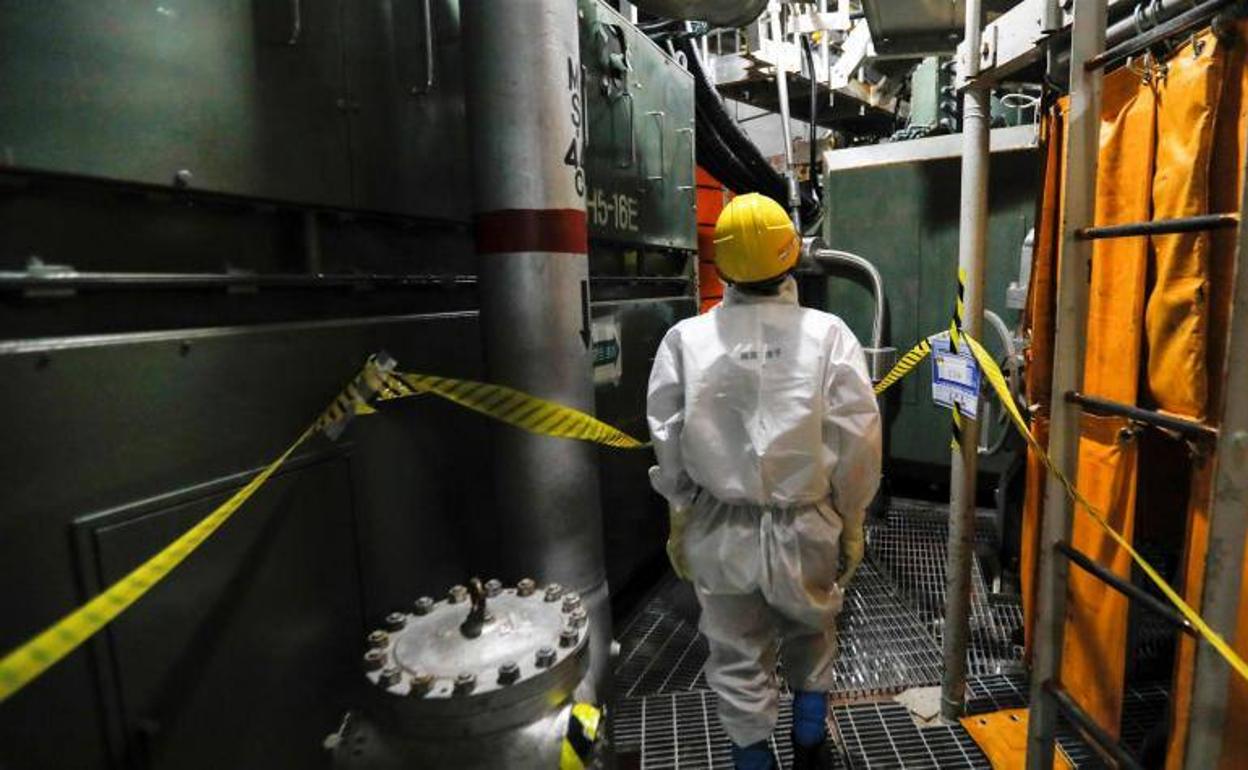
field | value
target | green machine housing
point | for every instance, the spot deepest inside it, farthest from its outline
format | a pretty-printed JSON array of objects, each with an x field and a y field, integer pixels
[{"x": 903, "y": 217}]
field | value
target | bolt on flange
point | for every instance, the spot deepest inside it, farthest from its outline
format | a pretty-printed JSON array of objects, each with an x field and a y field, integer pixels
[
  {"x": 390, "y": 676},
  {"x": 395, "y": 621},
  {"x": 420, "y": 684},
  {"x": 374, "y": 659},
  {"x": 545, "y": 657},
  {"x": 509, "y": 672},
  {"x": 465, "y": 683}
]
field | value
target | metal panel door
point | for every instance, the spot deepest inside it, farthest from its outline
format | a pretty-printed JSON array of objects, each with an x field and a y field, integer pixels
[
  {"x": 409, "y": 140},
  {"x": 242, "y": 95}
]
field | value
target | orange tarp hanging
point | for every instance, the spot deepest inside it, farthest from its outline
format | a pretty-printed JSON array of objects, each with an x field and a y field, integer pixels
[
  {"x": 1038, "y": 320},
  {"x": 1171, "y": 146},
  {"x": 1177, "y": 317},
  {"x": 1094, "y": 655},
  {"x": 1224, "y": 190}
]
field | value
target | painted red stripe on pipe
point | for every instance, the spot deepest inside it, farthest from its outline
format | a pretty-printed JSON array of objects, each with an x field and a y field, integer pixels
[{"x": 512, "y": 230}]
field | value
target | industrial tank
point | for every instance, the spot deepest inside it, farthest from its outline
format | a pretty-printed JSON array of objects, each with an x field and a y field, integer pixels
[{"x": 483, "y": 678}]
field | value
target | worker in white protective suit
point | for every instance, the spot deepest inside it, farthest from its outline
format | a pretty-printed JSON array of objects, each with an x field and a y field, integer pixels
[{"x": 767, "y": 434}]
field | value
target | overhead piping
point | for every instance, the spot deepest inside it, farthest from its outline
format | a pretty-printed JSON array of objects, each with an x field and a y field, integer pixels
[
  {"x": 826, "y": 258},
  {"x": 719, "y": 13},
  {"x": 725, "y": 151}
]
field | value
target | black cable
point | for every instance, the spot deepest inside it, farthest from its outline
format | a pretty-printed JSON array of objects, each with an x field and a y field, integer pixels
[
  {"x": 727, "y": 140},
  {"x": 815, "y": 185}
]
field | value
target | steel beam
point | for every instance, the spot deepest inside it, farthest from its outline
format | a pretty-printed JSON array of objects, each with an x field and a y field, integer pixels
[
  {"x": 1228, "y": 526},
  {"x": 972, "y": 245},
  {"x": 1078, "y": 186}
]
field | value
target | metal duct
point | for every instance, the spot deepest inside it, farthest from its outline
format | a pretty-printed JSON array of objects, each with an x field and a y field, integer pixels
[
  {"x": 718, "y": 13},
  {"x": 526, "y": 118},
  {"x": 826, "y": 258}
]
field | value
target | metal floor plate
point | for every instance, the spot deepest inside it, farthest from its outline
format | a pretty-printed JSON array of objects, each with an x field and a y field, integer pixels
[
  {"x": 1144, "y": 708},
  {"x": 663, "y": 714},
  {"x": 673, "y": 731},
  {"x": 884, "y": 735},
  {"x": 910, "y": 547}
]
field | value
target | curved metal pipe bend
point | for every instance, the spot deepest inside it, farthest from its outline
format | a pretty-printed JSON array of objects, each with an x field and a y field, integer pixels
[{"x": 826, "y": 257}]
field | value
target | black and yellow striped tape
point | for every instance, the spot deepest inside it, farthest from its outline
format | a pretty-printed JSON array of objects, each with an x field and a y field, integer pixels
[
  {"x": 530, "y": 413},
  {"x": 996, "y": 378},
  {"x": 913, "y": 357},
  {"x": 375, "y": 382},
  {"x": 581, "y": 737}
]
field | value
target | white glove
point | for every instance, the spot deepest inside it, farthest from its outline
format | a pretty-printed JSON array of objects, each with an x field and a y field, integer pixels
[
  {"x": 678, "y": 517},
  {"x": 851, "y": 550}
]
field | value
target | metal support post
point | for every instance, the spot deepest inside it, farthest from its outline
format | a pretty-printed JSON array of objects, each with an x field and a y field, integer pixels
[
  {"x": 525, "y": 117},
  {"x": 1079, "y": 190},
  {"x": 825, "y": 58},
  {"x": 972, "y": 242},
  {"x": 1228, "y": 526},
  {"x": 782, "y": 91}
]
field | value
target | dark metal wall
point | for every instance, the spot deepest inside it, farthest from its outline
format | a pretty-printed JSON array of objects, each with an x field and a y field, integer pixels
[
  {"x": 326, "y": 218},
  {"x": 904, "y": 218}
]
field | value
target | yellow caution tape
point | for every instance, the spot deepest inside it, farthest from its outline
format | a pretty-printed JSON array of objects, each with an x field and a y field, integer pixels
[
  {"x": 996, "y": 378},
  {"x": 376, "y": 382},
  {"x": 514, "y": 407},
  {"x": 580, "y": 738},
  {"x": 904, "y": 365}
]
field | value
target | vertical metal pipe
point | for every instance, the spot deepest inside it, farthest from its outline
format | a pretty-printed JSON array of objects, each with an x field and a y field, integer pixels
[
  {"x": 629, "y": 11},
  {"x": 525, "y": 121},
  {"x": 1228, "y": 527},
  {"x": 1078, "y": 196},
  {"x": 782, "y": 92},
  {"x": 1051, "y": 16},
  {"x": 824, "y": 43},
  {"x": 972, "y": 240}
]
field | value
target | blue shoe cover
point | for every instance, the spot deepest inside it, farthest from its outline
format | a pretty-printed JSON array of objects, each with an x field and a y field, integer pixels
[
  {"x": 810, "y": 717},
  {"x": 756, "y": 756}
]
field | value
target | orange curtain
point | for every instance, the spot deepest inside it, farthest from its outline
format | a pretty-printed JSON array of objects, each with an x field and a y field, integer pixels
[
  {"x": 1171, "y": 145},
  {"x": 1094, "y": 655},
  {"x": 1038, "y": 320},
  {"x": 1230, "y": 125}
]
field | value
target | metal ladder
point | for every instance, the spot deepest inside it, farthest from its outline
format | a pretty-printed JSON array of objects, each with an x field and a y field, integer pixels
[{"x": 1228, "y": 522}]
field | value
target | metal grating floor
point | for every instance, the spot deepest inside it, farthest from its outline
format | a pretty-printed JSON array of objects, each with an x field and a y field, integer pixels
[
  {"x": 910, "y": 547},
  {"x": 1144, "y": 708},
  {"x": 663, "y": 715},
  {"x": 660, "y": 652},
  {"x": 885, "y": 647},
  {"x": 884, "y": 735},
  {"x": 674, "y": 731}
]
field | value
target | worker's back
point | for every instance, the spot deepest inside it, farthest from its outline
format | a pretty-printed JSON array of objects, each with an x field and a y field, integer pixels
[{"x": 757, "y": 375}]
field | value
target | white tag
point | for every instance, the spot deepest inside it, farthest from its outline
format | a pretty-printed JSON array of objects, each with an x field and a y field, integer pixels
[{"x": 955, "y": 376}]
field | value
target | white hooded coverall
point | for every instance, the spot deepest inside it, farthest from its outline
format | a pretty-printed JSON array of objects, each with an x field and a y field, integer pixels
[{"x": 765, "y": 423}]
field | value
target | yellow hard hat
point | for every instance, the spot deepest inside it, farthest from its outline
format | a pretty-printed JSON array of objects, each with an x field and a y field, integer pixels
[{"x": 754, "y": 240}]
